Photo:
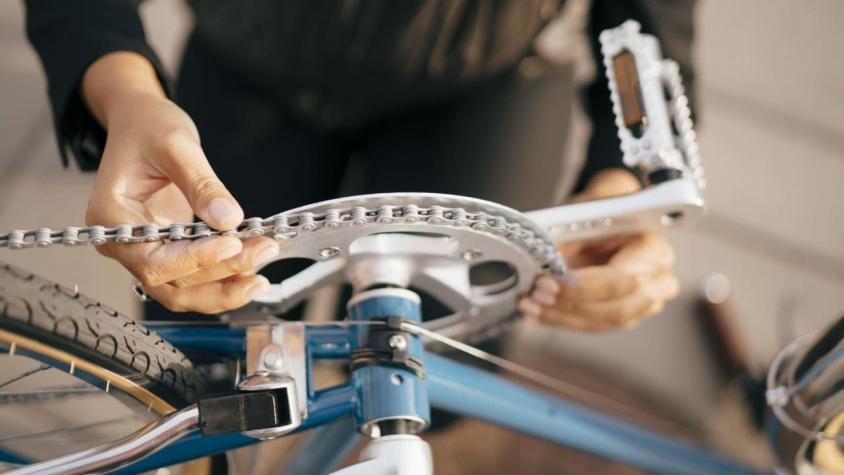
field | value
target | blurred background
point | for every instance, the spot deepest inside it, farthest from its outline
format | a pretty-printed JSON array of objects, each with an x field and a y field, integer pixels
[{"x": 769, "y": 75}]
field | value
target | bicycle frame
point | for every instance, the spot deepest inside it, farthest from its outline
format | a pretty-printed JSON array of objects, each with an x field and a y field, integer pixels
[
  {"x": 452, "y": 386},
  {"x": 459, "y": 388},
  {"x": 661, "y": 153}
]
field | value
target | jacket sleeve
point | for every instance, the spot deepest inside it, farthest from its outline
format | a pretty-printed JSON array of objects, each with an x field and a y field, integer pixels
[
  {"x": 68, "y": 36},
  {"x": 669, "y": 20}
]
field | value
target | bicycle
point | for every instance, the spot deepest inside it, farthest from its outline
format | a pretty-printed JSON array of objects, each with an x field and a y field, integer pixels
[{"x": 384, "y": 245}]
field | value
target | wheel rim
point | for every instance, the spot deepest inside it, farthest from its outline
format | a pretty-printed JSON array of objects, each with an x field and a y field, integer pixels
[{"x": 53, "y": 402}]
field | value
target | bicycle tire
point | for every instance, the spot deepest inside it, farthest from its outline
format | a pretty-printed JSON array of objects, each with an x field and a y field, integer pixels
[{"x": 62, "y": 318}]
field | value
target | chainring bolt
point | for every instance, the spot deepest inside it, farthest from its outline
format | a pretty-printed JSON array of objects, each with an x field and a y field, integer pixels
[
  {"x": 471, "y": 254},
  {"x": 329, "y": 253},
  {"x": 398, "y": 342},
  {"x": 273, "y": 359}
]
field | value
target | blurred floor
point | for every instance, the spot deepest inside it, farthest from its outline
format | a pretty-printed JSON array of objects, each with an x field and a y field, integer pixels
[{"x": 773, "y": 146}]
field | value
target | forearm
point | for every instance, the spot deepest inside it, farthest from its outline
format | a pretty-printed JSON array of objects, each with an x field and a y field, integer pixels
[
  {"x": 69, "y": 37},
  {"x": 608, "y": 182},
  {"x": 115, "y": 76}
]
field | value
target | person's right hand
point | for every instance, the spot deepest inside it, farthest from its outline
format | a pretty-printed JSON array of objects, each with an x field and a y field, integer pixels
[{"x": 153, "y": 169}]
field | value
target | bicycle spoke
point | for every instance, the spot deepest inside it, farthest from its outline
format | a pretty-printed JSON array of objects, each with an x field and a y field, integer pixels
[
  {"x": 34, "y": 395},
  {"x": 56, "y": 390},
  {"x": 26, "y": 373},
  {"x": 65, "y": 430}
]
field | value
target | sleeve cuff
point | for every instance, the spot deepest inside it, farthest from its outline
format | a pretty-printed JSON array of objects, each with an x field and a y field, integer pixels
[{"x": 68, "y": 37}]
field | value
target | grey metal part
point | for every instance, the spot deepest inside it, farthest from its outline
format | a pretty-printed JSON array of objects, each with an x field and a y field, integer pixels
[
  {"x": 393, "y": 455},
  {"x": 275, "y": 359},
  {"x": 116, "y": 454},
  {"x": 435, "y": 263},
  {"x": 660, "y": 145},
  {"x": 434, "y": 258},
  {"x": 669, "y": 204}
]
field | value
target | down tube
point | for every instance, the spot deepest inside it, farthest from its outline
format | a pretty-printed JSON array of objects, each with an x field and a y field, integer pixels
[{"x": 482, "y": 395}]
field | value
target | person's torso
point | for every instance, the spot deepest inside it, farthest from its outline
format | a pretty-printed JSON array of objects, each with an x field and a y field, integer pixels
[{"x": 358, "y": 59}]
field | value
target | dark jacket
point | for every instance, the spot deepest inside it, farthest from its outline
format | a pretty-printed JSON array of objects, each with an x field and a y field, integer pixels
[{"x": 366, "y": 59}]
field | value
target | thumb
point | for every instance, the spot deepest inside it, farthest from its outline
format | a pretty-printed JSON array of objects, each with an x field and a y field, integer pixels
[{"x": 190, "y": 171}]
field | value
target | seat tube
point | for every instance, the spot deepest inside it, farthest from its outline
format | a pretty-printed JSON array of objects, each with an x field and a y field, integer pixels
[{"x": 387, "y": 364}]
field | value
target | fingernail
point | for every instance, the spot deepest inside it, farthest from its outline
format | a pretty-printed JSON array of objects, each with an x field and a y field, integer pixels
[
  {"x": 257, "y": 288},
  {"x": 267, "y": 254},
  {"x": 544, "y": 298},
  {"x": 224, "y": 213},
  {"x": 548, "y": 284},
  {"x": 568, "y": 280},
  {"x": 529, "y": 307}
]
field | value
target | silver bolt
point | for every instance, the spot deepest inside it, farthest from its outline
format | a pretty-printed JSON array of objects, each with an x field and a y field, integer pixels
[
  {"x": 777, "y": 396},
  {"x": 329, "y": 253},
  {"x": 471, "y": 254},
  {"x": 398, "y": 342},
  {"x": 273, "y": 359}
]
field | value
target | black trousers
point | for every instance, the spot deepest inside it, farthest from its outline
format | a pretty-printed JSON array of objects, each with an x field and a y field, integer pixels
[{"x": 501, "y": 140}]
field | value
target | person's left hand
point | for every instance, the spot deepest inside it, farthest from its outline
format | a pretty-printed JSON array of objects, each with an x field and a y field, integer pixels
[{"x": 611, "y": 283}]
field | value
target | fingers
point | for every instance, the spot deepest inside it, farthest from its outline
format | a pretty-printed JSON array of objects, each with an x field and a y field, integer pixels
[
  {"x": 154, "y": 170},
  {"x": 594, "y": 252},
  {"x": 213, "y": 297},
  {"x": 157, "y": 264},
  {"x": 598, "y": 283},
  {"x": 646, "y": 299},
  {"x": 662, "y": 289},
  {"x": 576, "y": 322},
  {"x": 648, "y": 254},
  {"x": 255, "y": 253},
  {"x": 636, "y": 282},
  {"x": 616, "y": 311},
  {"x": 185, "y": 164},
  {"x": 529, "y": 309},
  {"x": 168, "y": 206}
]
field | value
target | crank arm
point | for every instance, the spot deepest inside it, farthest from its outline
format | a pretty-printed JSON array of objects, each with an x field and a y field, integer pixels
[{"x": 667, "y": 204}]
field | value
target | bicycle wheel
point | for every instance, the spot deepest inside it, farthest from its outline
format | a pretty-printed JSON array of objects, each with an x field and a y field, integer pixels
[{"x": 75, "y": 374}]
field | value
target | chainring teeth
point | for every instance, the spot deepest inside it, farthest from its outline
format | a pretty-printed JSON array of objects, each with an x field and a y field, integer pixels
[
  {"x": 508, "y": 237},
  {"x": 295, "y": 225},
  {"x": 503, "y": 234},
  {"x": 302, "y": 226}
]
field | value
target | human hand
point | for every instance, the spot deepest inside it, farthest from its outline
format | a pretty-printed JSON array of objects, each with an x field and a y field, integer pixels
[
  {"x": 153, "y": 169},
  {"x": 612, "y": 282}
]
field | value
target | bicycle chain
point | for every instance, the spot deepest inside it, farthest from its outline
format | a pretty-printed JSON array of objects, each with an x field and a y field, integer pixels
[{"x": 285, "y": 227}]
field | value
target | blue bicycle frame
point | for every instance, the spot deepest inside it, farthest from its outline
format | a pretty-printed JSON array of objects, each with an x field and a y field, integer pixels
[{"x": 451, "y": 386}]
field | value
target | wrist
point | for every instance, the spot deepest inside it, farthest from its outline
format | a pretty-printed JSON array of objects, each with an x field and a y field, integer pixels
[
  {"x": 116, "y": 79},
  {"x": 612, "y": 182}
]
